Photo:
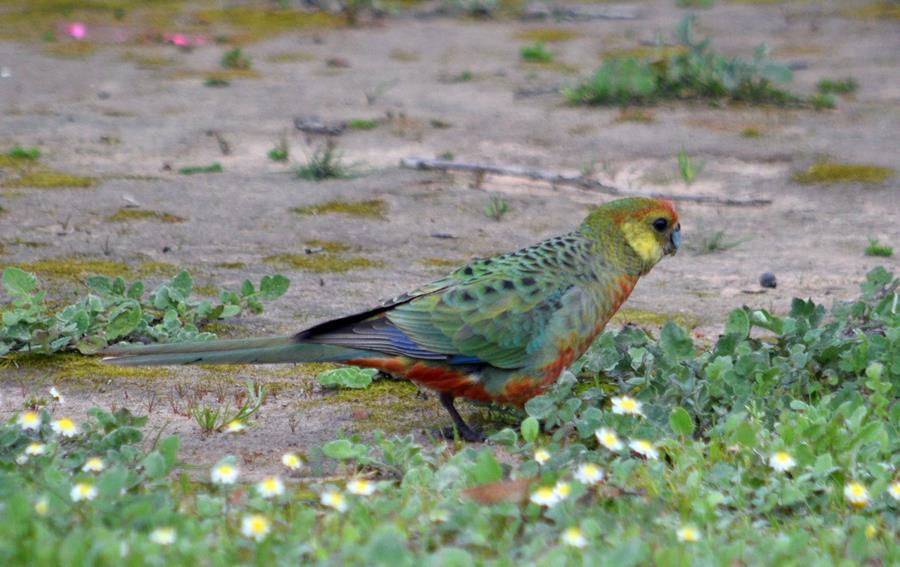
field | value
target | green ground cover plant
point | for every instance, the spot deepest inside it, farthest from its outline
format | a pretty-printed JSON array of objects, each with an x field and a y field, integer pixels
[
  {"x": 776, "y": 444},
  {"x": 695, "y": 72},
  {"x": 115, "y": 310}
]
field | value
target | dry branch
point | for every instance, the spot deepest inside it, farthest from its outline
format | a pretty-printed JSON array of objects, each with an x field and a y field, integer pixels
[{"x": 556, "y": 178}]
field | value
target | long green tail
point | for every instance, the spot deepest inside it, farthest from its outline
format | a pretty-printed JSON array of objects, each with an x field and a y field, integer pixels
[{"x": 236, "y": 351}]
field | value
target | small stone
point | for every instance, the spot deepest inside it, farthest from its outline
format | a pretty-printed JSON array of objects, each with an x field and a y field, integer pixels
[{"x": 767, "y": 279}]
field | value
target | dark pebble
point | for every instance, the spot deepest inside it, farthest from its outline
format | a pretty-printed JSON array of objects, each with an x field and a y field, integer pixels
[{"x": 767, "y": 279}]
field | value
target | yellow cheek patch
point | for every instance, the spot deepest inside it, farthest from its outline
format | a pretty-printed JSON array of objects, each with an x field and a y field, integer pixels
[{"x": 643, "y": 241}]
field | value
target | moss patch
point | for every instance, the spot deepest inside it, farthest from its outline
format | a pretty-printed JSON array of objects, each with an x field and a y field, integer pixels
[
  {"x": 76, "y": 268},
  {"x": 881, "y": 10},
  {"x": 21, "y": 172},
  {"x": 830, "y": 173},
  {"x": 158, "y": 269},
  {"x": 221, "y": 75},
  {"x": 547, "y": 35},
  {"x": 441, "y": 262},
  {"x": 643, "y": 317},
  {"x": 71, "y": 49},
  {"x": 331, "y": 246},
  {"x": 389, "y": 405},
  {"x": 208, "y": 291},
  {"x": 638, "y": 115},
  {"x": 230, "y": 265},
  {"x": 322, "y": 263},
  {"x": 291, "y": 57},
  {"x": 148, "y": 60},
  {"x": 371, "y": 208},
  {"x": 552, "y": 66},
  {"x": 78, "y": 367},
  {"x": 651, "y": 52},
  {"x": 128, "y": 214},
  {"x": 251, "y": 23}
]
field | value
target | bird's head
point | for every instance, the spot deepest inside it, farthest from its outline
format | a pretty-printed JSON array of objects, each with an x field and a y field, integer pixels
[{"x": 648, "y": 226}]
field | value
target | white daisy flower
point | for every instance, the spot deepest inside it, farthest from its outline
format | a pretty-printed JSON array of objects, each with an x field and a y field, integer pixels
[
  {"x": 270, "y": 486},
  {"x": 235, "y": 426},
  {"x": 292, "y": 461},
  {"x": 65, "y": 427},
  {"x": 54, "y": 393},
  {"x": 83, "y": 491},
  {"x": 545, "y": 496},
  {"x": 857, "y": 494},
  {"x": 589, "y": 474},
  {"x": 782, "y": 461},
  {"x": 224, "y": 473},
  {"x": 29, "y": 420},
  {"x": 688, "y": 534},
  {"x": 361, "y": 487},
  {"x": 94, "y": 464},
  {"x": 34, "y": 449},
  {"x": 608, "y": 438},
  {"x": 894, "y": 490},
  {"x": 163, "y": 536},
  {"x": 334, "y": 499},
  {"x": 573, "y": 537},
  {"x": 562, "y": 490},
  {"x": 626, "y": 405},
  {"x": 644, "y": 448},
  {"x": 256, "y": 526},
  {"x": 22, "y": 459},
  {"x": 541, "y": 456}
]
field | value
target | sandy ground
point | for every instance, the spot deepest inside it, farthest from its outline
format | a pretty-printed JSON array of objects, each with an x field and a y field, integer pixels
[{"x": 133, "y": 126}]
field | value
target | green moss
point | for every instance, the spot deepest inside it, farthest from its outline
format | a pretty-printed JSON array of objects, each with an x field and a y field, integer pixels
[
  {"x": 214, "y": 167},
  {"x": 639, "y": 115},
  {"x": 552, "y": 66},
  {"x": 643, "y": 317},
  {"x": 829, "y": 172},
  {"x": 372, "y": 208},
  {"x": 404, "y": 56},
  {"x": 76, "y": 268},
  {"x": 43, "y": 178},
  {"x": 291, "y": 57},
  {"x": 440, "y": 262},
  {"x": 208, "y": 291},
  {"x": 230, "y": 265},
  {"x": 751, "y": 132},
  {"x": 157, "y": 268},
  {"x": 71, "y": 49},
  {"x": 389, "y": 405},
  {"x": 547, "y": 35},
  {"x": 128, "y": 214},
  {"x": 148, "y": 60},
  {"x": 78, "y": 367},
  {"x": 331, "y": 246},
  {"x": 223, "y": 75},
  {"x": 251, "y": 23},
  {"x": 321, "y": 263},
  {"x": 362, "y": 124},
  {"x": 880, "y": 10},
  {"x": 651, "y": 52}
]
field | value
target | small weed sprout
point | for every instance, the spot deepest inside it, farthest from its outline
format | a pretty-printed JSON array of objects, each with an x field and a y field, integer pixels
[
  {"x": 876, "y": 249},
  {"x": 235, "y": 59},
  {"x": 496, "y": 208},
  {"x": 210, "y": 419},
  {"x": 324, "y": 163},
  {"x": 822, "y": 101},
  {"x": 214, "y": 167},
  {"x": 362, "y": 124},
  {"x": 837, "y": 86},
  {"x": 688, "y": 168},
  {"x": 535, "y": 53},
  {"x": 712, "y": 243},
  {"x": 280, "y": 152}
]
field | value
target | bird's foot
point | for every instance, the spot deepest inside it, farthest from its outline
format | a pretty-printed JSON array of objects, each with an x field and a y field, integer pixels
[{"x": 467, "y": 434}]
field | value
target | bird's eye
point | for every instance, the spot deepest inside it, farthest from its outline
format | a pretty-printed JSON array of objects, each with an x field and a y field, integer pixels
[{"x": 660, "y": 224}]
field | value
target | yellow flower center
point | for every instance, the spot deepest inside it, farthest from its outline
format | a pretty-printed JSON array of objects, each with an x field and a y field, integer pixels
[
  {"x": 628, "y": 404},
  {"x": 270, "y": 485},
  {"x": 544, "y": 493},
  {"x": 258, "y": 525},
  {"x": 225, "y": 470},
  {"x": 781, "y": 457},
  {"x": 689, "y": 534},
  {"x": 857, "y": 491},
  {"x": 65, "y": 424},
  {"x": 29, "y": 418},
  {"x": 563, "y": 489}
]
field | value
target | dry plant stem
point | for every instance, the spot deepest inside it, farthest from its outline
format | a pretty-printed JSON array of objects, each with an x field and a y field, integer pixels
[{"x": 575, "y": 180}]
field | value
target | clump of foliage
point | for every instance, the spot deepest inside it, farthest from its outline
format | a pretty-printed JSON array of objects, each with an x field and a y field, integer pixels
[
  {"x": 776, "y": 444},
  {"x": 115, "y": 310},
  {"x": 362, "y": 124},
  {"x": 535, "y": 53},
  {"x": 281, "y": 152},
  {"x": 18, "y": 152},
  {"x": 325, "y": 163},
  {"x": 214, "y": 167},
  {"x": 235, "y": 59},
  {"x": 837, "y": 86},
  {"x": 821, "y": 101},
  {"x": 347, "y": 377},
  {"x": 217, "y": 419},
  {"x": 368, "y": 208},
  {"x": 877, "y": 249},
  {"x": 695, "y": 72},
  {"x": 496, "y": 208}
]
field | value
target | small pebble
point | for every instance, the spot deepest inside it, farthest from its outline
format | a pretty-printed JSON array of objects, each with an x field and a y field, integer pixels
[{"x": 767, "y": 279}]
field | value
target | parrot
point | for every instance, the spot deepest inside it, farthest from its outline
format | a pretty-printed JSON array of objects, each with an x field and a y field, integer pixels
[{"x": 499, "y": 329}]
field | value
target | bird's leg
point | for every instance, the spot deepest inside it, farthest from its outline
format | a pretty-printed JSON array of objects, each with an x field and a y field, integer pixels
[{"x": 465, "y": 432}]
